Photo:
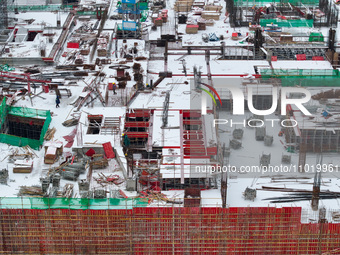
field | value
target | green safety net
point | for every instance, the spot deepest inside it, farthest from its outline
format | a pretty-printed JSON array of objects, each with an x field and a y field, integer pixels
[
  {"x": 316, "y": 37},
  {"x": 304, "y": 77},
  {"x": 269, "y": 73},
  {"x": 40, "y": 7},
  {"x": 71, "y": 203},
  {"x": 144, "y": 16},
  {"x": 28, "y": 113},
  {"x": 143, "y": 6},
  {"x": 287, "y": 23}
]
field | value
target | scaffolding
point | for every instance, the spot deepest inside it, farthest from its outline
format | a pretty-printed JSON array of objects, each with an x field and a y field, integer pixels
[
  {"x": 173, "y": 230},
  {"x": 3, "y": 14},
  {"x": 133, "y": 11},
  {"x": 23, "y": 126},
  {"x": 295, "y": 13}
]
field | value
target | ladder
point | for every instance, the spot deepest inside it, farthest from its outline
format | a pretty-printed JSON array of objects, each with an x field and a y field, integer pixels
[{"x": 110, "y": 126}]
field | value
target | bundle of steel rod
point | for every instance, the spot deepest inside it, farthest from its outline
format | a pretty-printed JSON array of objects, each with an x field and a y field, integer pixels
[{"x": 298, "y": 195}]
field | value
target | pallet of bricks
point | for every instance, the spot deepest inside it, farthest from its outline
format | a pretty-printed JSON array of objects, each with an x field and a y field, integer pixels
[{"x": 183, "y": 5}]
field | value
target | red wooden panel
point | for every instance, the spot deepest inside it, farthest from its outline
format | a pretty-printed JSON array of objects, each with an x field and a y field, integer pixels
[
  {"x": 318, "y": 58},
  {"x": 72, "y": 45},
  {"x": 108, "y": 150},
  {"x": 300, "y": 56}
]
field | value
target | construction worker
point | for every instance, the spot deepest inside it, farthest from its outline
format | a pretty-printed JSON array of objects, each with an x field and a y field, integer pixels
[
  {"x": 57, "y": 102},
  {"x": 114, "y": 87}
]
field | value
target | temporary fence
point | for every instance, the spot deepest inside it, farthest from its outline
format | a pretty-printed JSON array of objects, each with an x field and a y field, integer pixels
[
  {"x": 6, "y": 110},
  {"x": 173, "y": 230},
  {"x": 303, "y": 77},
  {"x": 71, "y": 203}
]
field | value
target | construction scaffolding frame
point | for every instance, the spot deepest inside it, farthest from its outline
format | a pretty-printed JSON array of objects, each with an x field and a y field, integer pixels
[
  {"x": 171, "y": 230},
  {"x": 3, "y": 15},
  {"x": 320, "y": 13}
]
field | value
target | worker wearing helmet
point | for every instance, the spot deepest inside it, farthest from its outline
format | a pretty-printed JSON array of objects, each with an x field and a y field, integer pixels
[{"x": 114, "y": 86}]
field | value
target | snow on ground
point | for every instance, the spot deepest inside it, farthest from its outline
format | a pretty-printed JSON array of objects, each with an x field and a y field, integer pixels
[{"x": 181, "y": 97}]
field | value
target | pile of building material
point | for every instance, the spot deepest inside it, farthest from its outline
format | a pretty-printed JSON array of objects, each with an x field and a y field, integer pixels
[
  {"x": 183, "y": 5},
  {"x": 72, "y": 171},
  {"x": 23, "y": 166},
  {"x": 212, "y": 7},
  {"x": 30, "y": 191},
  {"x": 67, "y": 190},
  {"x": 102, "y": 44},
  {"x": 192, "y": 197},
  {"x": 297, "y": 195},
  {"x": 84, "y": 189},
  {"x": 152, "y": 196},
  {"x": 327, "y": 94},
  {"x": 104, "y": 180},
  {"x": 50, "y": 134},
  {"x": 98, "y": 162},
  {"x": 249, "y": 194},
  {"x": 191, "y": 29},
  {"x": 79, "y": 60},
  {"x": 52, "y": 151},
  {"x": 160, "y": 17},
  {"x": 70, "y": 122},
  {"x": 22, "y": 153},
  {"x": 210, "y": 15}
]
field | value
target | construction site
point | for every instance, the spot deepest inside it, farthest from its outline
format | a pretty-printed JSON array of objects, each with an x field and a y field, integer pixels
[{"x": 169, "y": 127}]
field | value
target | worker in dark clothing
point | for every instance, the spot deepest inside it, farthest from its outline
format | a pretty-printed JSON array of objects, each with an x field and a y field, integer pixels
[
  {"x": 57, "y": 101},
  {"x": 114, "y": 87}
]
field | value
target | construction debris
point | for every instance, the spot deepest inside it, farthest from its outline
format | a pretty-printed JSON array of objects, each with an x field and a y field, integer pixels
[
  {"x": 99, "y": 162},
  {"x": 153, "y": 196},
  {"x": 30, "y": 191},
  {"x": 104, "y": 180},
  {"x": 70, "y": 122},
  {"x": 67, "y": 190},
  {"x": 50, "y": 134},
  {"x": 20, "y": 153}
]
